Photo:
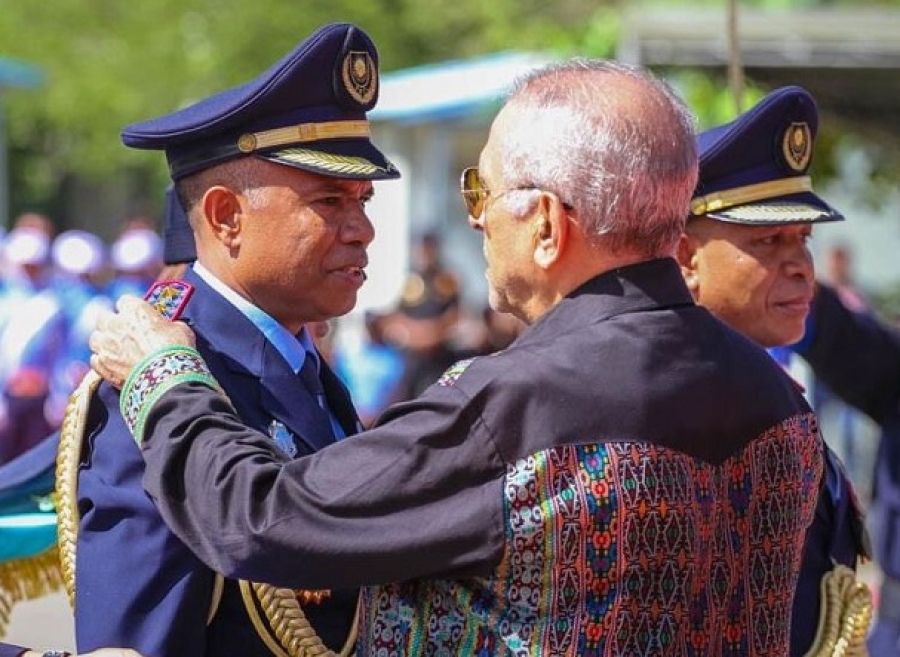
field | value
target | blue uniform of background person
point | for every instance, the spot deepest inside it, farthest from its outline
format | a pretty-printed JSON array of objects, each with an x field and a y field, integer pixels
[
  {"x": 836, "y": 536},
  {"x": 754, "y": 174},
  {"x": 859, "y": 359},
  {"x": 129, "y": 565}
]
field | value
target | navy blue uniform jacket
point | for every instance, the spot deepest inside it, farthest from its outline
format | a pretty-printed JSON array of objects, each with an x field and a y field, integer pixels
[{"x": 139, "y": 586}]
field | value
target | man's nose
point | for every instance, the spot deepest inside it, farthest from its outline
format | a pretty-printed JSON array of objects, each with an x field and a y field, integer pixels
[
  {"x": 359, "y": 228},
  {"x": 799, "y": 262}
]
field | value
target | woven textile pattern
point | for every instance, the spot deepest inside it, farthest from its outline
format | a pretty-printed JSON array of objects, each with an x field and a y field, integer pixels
[{"x": 626, "y": 548}]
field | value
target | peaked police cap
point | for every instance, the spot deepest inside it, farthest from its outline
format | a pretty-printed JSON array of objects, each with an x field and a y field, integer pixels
[
  {"x": 307, "y": 111},
  {"x": 754, "y": 170}
]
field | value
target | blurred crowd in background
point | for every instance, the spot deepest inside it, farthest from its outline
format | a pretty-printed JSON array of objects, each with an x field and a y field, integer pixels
[{"x": 53, "y": 286}]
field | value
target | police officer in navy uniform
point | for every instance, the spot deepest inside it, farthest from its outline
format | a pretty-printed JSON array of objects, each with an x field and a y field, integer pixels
[
  {"x": 427, "y": 314},
  {"x": 274, "y": 176},
  {"x": 745, "y": 257},
  {"x": 858, "y": 357}
]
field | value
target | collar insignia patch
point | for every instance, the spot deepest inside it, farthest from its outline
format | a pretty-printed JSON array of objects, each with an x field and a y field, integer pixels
[{"x": 169, "y": 297}]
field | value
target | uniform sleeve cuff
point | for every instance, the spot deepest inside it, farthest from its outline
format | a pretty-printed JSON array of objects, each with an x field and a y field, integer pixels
[{"x": 155, "y": 375}]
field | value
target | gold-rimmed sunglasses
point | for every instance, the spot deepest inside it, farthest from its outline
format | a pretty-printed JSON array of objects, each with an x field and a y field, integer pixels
[
  {"x": 476, "y": 195},
  {"x": 473, "y": 191}
]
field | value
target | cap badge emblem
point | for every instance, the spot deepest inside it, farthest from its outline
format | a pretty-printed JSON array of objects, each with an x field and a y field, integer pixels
[
  {"x": 360, "y": 77},
  {"x": 796, "y": 146}
]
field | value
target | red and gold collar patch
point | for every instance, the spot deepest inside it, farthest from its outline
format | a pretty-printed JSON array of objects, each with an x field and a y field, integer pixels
[{"x": 169, "y": 297}]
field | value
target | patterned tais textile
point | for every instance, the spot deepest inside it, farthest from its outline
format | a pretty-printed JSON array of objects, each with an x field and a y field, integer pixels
[{"x": 627, "y": 587}]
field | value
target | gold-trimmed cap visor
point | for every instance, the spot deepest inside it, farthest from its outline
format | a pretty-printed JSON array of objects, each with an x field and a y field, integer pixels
[
  {"x": 340, "y": 148},
  {"x": 755, "y": 169},
  {"x": 353, "y": 159},
  {"x": 774, "y": 213},
  {"x": 783, "y": 201}
]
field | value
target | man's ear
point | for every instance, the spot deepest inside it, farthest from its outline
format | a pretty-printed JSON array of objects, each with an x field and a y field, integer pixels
[
  {"x": 686, "y": 254},
  {"x": 223, "y": 214},
  {"x": 551, "y": 228}
]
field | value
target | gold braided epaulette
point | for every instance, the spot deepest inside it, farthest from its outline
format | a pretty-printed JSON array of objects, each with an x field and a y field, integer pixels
[
  {"x": 286, "y": 631},
  {"x": 68, "y": 456},
  {"x": 844, "y": 617}
]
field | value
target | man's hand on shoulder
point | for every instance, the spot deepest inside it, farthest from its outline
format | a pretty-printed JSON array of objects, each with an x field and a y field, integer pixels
[{"x": 124, "y": 338}]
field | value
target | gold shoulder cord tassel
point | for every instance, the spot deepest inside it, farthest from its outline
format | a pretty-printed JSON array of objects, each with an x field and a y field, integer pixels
[
  {"x": 27, "y": 579},
  {"x": 268, "y": 607},
  {"x": 68, "y": 456},
  {"x": 845, "y": 616},
  {"x": 277, "y": 614}
]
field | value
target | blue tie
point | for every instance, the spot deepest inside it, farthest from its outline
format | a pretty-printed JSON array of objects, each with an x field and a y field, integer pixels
[{"x": 309, "y": 374}]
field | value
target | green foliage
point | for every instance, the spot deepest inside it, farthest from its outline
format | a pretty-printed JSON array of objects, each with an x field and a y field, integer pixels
[
  {"x": 108, "y": 63},
  {"x": 782, "y": 4}
]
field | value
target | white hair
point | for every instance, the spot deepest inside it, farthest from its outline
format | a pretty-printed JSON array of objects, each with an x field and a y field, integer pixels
[{"x": 613, "y": 141}]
